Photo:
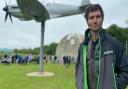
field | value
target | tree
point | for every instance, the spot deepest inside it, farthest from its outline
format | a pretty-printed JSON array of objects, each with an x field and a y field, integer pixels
[
  {"x": 36, "y": 51},
  {"x": 48, "y": 50},
  {"x": 51, "y": 49},
  {"x": 120, "y": 33}
]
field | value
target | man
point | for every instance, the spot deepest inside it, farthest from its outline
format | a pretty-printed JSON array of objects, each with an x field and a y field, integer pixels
[{"x": 101, "y": 62}]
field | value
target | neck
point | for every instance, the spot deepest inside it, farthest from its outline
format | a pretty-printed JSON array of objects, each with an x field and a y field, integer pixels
[{"x": 94, "y": 36}]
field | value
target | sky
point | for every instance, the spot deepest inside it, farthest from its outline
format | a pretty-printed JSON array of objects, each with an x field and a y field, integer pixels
[{"x": 26, "y": 34}]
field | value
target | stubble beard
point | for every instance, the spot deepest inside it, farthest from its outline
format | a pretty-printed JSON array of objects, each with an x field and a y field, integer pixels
[{"x": 96, "y": 30}]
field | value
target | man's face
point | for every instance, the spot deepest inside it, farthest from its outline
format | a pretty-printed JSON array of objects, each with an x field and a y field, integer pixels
[{"x": 94, "y": 20}]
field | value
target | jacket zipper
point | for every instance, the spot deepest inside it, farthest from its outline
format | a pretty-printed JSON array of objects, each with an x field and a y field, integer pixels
[{"x": 98, "y": 81}]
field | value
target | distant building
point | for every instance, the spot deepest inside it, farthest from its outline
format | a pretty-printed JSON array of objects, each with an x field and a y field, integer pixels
[{"x": 69, "y": 45}]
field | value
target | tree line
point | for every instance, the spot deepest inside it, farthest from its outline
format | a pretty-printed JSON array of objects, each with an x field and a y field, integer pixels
[
  {"x": 114, "y": 30},
  {"x": 48, "y": 50}
]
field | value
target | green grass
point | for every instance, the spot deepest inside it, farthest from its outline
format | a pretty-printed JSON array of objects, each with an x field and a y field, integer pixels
[{"x": 14, "y": 77}]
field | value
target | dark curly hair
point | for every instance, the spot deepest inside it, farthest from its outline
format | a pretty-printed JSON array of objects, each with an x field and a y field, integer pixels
[{"x": 92, "y": 8}]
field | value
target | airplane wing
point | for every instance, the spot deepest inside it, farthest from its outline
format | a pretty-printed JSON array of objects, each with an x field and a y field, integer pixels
[
  {"x": 84, "y": 7},
  {"x": 34, "y": 9}
]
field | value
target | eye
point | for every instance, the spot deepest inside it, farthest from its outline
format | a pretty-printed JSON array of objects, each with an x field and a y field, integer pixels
[
  {"x": 91, "y": 17},
  {"x": 98, "y": 16}
]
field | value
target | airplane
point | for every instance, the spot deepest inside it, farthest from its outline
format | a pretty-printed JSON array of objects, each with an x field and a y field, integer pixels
[{"x": 34, "y": 9}]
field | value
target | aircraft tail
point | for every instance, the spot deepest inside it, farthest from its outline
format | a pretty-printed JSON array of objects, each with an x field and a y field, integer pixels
[{"x": 85, "y": 2}]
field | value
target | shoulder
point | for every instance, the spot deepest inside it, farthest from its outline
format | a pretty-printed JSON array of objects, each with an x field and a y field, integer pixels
[
  {"x": 113, "y": 40},
  {"x": 115, "y": 44}
]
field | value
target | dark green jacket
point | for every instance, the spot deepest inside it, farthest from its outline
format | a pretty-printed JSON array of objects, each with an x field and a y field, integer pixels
[{"x": 113, "y": 70}]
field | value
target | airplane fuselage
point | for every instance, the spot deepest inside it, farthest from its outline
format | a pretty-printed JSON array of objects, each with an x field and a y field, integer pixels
[
  {"x": 40, "y": 12},
  {"x": 59, "y": 10},
  {"x": 54, "y": 10}
]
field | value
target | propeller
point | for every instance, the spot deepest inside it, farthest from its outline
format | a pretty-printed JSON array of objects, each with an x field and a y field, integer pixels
[{"x": 7, "y": 13}]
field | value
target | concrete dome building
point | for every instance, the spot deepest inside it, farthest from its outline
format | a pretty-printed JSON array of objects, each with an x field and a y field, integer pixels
[{"x": 69, "y": 45}]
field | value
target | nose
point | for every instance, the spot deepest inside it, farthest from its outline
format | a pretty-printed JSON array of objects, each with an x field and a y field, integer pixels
[
  {"x": 95, "y": 19},
  {"x": 5, "y": 9}
]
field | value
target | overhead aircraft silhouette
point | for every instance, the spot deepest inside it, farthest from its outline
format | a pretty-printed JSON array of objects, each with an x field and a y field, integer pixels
[{"x": 34, "y": 9}]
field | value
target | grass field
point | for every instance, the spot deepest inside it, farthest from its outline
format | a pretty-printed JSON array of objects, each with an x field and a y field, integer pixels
[{"x": 14, "y": 77}]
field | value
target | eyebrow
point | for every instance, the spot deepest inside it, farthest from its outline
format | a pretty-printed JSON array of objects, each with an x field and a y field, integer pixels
[{"x": 96, "y": 16}]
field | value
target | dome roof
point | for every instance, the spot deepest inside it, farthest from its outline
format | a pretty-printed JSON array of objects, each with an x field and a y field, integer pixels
[{"x": 69, "y": 45}]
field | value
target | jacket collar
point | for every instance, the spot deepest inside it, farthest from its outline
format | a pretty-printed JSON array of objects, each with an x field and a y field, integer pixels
[{"x": 87, "y": 36}]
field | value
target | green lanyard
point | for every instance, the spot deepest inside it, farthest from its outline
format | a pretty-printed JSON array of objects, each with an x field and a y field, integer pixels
[{"x": 85, "y": 66}]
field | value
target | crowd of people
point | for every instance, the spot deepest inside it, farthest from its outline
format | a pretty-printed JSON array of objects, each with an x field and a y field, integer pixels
[
  {"x": 24, "y": 59},
  {"x": 18, "y": 59}
]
